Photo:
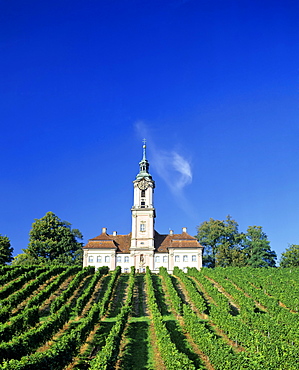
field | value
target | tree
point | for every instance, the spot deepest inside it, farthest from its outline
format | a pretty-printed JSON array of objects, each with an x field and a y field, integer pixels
[
  {"x": 221, "y": 241},
  {"x": 5, "y": 250},
  {"x": 290, "y": 258},
  {"x": 53, "y": 240},
  {"x": 209, "y": 234},
  {"x": 230, "y": 255},
  {"x": 25, "y": 259},
  {"x": 229, "y": 252},
  {"x": 257, "y": 248},
  {"x": 226, "y": 246}
]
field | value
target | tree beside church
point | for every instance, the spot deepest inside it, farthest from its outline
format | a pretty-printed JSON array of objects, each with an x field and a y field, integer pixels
[
  {"x": 53, "y": 240},
  {"x": 226, "y": 246}
]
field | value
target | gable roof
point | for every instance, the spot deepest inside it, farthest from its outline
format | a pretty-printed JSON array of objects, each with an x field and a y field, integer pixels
[{"x": 122, "y": 243}]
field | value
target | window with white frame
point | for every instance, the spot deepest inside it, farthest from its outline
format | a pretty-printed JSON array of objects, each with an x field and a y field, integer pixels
[
  {"x": 118, "y": 258},
  {"x": 194, "y": 258},
  {"x": 185, "y": 258},
  {"x": 90, "y": 259},
  {"x": 126, "y": 270},
  {"x": 142, "y": 226},
  {"x": 157, "y": 259},
  {"x": 99, "y": 259},
  {"x": 177, "y": 258},
  {"x": 107, "y": 259},
  {"x": 126, "y": 259},
  {"x": 165, "y": 259}
]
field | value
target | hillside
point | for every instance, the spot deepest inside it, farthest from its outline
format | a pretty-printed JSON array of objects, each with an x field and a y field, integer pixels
[{"x": 72, "y": 318}]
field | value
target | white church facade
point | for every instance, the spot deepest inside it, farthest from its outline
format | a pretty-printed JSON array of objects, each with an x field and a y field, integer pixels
[{"x": 143, "y": 246}]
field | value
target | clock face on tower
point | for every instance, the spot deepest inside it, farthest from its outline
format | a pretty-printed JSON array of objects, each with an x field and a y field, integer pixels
[{"x": 143, "y": 185}]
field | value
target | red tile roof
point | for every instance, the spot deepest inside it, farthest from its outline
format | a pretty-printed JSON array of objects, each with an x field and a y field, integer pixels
[
  {"x": 183, "y": 240},
  {"x": 122, "y": 243}
]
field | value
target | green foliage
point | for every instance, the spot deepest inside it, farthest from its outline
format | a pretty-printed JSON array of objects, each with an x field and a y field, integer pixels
[
  {"x": 106, "y": 358},
  {"x": 25, "y": 259},
  {"x": 221, "y": 241},
  {"x": 209, "y": 235},
  {"x": 191, "y": 289},
  {"x": 5, "y": 250},
  {"x": 175, "y": 299},
  {"x": 290, "y": 258},
  {"x": 250, "y": 319},
  {"x": 53, "y": 241},
  {"x": 257, "y": 248},
  {"x": 226, "y": 246},
  {"x": 173, "y": 359}
]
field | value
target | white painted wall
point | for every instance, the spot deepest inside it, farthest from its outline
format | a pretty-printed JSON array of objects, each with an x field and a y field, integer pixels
[
  {"x": 185, "y": 257},
  {"x": 179, "y": 257}
]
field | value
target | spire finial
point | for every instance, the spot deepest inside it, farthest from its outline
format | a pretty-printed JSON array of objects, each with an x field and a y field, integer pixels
[{"x": 144, "y": 148}]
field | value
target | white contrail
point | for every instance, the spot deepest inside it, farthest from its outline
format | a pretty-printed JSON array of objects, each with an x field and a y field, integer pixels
[{"x": 182, "y": 166}]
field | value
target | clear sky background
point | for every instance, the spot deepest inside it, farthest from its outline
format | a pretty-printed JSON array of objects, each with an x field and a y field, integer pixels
[{"x": 212, "y": 85}]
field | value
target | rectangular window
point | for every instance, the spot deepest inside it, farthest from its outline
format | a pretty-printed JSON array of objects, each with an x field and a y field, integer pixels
[
  {"x": 90, "y": 259},
  {"x": 118, "y": 259},
  {"x": 107, "y": 259},
  {"x": 142, "y": 226},
  {"x": 177, "y": 258},
  {"x": 158, "y": 259},
  {"x": 126, "y": 270},
  {"x": 99, "y": 259},
  {"x": 185, "y": 258},
  {"x": 193, "y": 258},
  {"x": 127, "y": 259},
  {"x": 165, "y": 259}
]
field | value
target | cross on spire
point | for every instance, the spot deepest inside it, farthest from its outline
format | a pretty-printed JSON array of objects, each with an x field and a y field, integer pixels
[{"x": 144, "y": 147}]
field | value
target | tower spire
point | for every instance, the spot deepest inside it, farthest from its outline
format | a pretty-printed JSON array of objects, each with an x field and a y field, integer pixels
[{"x": 143, "y": 164}]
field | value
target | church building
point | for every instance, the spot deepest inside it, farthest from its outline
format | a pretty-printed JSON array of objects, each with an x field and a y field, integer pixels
[{"x": 143, "y": 246}]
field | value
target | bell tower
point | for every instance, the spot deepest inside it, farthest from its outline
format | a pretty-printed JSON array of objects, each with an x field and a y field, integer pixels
[{"x": 143, "y": 216}]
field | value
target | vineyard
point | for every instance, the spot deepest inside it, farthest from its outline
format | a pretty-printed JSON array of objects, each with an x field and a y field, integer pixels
[{"x": 73, "y": 318}]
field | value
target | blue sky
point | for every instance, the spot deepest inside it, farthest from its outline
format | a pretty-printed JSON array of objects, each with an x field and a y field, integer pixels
[{"x": 212, "y": 85}]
